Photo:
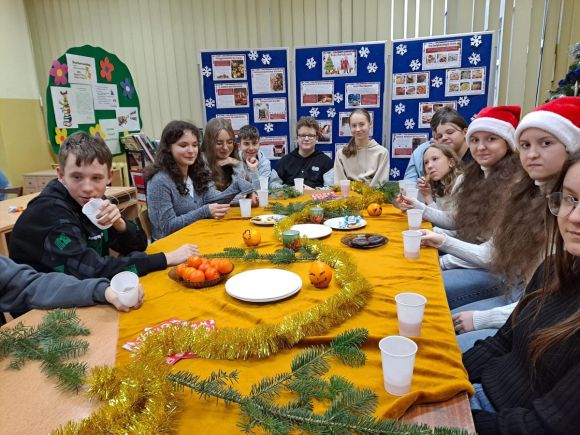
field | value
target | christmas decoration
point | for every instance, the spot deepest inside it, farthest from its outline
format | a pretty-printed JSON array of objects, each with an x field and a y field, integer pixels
[
  {"x": 320, "y": 274},
  {"x": 374, "y": 209},
  {"x": 251, "y": 237},
  {"x": 283, "y": 192},
  {"x": 569, "y": 85}
]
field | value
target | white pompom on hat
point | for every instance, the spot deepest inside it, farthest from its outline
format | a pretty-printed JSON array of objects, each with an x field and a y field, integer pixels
[
  {"x": 500, "y": 120},
  {"x": 560, "y": 118}
]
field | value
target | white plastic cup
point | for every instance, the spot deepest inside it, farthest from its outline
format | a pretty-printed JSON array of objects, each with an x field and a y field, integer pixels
[
  {"x": 410, "y": 184},
  {"x": 264, "y": 183},
  {"x": 344, "y": 188},
  {"x": 411, "y": 192},
  {"x": 246, "y": 207},
  {"x": 398, "y": 358},
  {"x": 91, "y": 209},
  {"x": 402, "y": 185},
  {"x": 126, "y": 286},
  {"x": 299, "y": 185},
  {"x": 414, "y": 218},
  {"x": 263, "y": 198},
  {"x": 412, "y": 243},
  {"x": 410, "y": 311}
]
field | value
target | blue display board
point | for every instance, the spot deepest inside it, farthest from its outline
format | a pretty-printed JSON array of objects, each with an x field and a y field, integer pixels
[
  {"x": 250, "y": 87},
  {"x": 332, "y": 80},
  {"x": 428, "y": 73}
]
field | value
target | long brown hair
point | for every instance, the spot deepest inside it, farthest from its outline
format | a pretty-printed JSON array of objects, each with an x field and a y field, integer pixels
[
  {"x": 444, "y": 186},
  {"x": 481, "y": 200},
  {"x": 222, "y": 175},
  {"x": 350, "y": 149},
  {"x": 561, "y": 275}
]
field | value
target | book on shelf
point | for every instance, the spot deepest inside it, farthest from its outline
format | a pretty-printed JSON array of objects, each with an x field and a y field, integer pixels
[{"x": 140, "y": 142}]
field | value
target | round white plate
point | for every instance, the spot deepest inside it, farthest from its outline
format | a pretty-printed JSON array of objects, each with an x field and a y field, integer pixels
[
  {"x": 339, "y": 223},
  {"x": 312, "y": 231},
  {"x": 267, "y": 220},
  {"x": 263, "y": 285}
]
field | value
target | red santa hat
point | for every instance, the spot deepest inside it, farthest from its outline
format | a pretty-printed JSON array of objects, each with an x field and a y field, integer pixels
[
  {"x": 560, "y": 118},
  {"x": 500, "y": 120}
]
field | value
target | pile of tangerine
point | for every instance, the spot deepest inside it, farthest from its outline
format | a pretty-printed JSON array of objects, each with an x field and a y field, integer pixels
[{"x": 198, "y": 269}]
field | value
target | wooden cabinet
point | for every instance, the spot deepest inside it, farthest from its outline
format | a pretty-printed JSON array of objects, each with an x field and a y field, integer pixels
[{"x": 35, "y": 181}]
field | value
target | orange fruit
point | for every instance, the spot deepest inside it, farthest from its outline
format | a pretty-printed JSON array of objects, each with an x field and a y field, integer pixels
[
  {"x": 211, "y": 273},
  {"x": 251, "y": 237},
  {"x": 204, "y": 265},
  {"x": 225, "y": 267},
  {"x": 195, "y": 275},
  {"x": 375, "y": 209},
  {"x": 180, "y": 269},
  {"x": 194, "y": 261},
  {"x": 214, "y": 262},
  {"x": 320, "y": 274}
]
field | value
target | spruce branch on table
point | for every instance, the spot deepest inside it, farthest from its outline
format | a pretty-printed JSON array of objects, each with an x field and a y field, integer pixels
[
  {"x": 350, "y": 410},
  {"x": 280, "y": 256}
]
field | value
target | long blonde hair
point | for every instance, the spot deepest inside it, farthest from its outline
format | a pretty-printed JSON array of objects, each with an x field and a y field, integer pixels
[{"x": 444, "y": 186}]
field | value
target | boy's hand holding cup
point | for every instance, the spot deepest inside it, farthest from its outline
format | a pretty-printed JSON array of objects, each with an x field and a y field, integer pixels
[
  {"x": 126, "y": 291},
  {"x": 104, "y": 214}
]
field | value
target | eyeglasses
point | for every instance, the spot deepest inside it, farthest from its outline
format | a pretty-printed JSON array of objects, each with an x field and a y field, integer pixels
[
  {"x": 306, "y": 136},
  {"x": 561, "y": 204}
]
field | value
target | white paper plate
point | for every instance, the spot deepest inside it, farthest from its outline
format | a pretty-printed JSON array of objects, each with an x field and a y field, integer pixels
[
  {"x": 263, "y": 285},
  {"x": 267, "y": 220},
  {"x": 312, "y": 231},
  {"x": 339, "y": 223}
]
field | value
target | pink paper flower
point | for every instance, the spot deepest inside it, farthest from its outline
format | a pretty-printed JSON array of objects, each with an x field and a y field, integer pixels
[{"x": 59, "y": 72}]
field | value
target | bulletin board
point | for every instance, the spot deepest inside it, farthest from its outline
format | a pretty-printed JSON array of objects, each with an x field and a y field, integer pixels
[
  {"x": 333, "y": 80},
  {"x": 92, "y": 90},
  {"x": 250, "y": 87},
  {"x": 428, "y": 73}
]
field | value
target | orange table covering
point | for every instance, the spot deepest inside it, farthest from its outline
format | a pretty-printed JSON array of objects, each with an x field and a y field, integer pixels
[{"x": 439, "y": 374}]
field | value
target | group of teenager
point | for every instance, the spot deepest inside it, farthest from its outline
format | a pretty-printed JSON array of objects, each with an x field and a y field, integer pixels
[{"x": 502, "y": 195}]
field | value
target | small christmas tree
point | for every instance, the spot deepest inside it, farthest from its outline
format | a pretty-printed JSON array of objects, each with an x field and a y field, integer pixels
[
  {"x": 329, "y": 65},
  {"x": 569, "y": 84}
]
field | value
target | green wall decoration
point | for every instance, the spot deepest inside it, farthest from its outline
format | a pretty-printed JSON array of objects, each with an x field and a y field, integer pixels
[{"x": 92, "y": 90}]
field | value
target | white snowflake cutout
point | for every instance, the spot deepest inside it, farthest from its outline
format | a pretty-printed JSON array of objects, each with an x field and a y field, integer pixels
[
  {"x": 401, "y": 49},
  {"x": 476, "y": 40},
  {"x": 463, "y": 101},
  {"x": 266, "y": 58},
  {"x": 436, "y": 82},
  {"x": 474, "y": 59},
  {"x": 415, "y": 64},
  {"x": 206, "y": 71},
  {"x": 399, "y": 108},
  {"x": 409, "y": 123},
  {"x": 330, "y": 112},
  {"x": 253, "y": 55},
  {"x": 395, "y": 173},
  {"x": 364, "y": 52},
  {"x": 372, "y": 67},
  {"x": 314, "y": 112},
  {"x": 269, "y": 127},
  {"x": 311, "y": 63},
  {"x": 337, "y": 97},
  {"x": 209, "y": 102}
]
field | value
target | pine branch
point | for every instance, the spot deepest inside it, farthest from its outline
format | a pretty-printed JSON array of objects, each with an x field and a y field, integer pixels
[
  {"x": 286, "y": 210},
  {"x": 284, "y": 192}
]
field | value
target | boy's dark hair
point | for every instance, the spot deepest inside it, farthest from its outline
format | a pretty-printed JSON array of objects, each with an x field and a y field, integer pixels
[
  {"x": 249, "y": 132},
  {"x": 307, "y": 121},
  {"x": 447, "y": 115},
  {"x": 86, "y": 149}
]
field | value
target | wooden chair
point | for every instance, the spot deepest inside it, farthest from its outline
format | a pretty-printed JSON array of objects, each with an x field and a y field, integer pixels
[
  {"x": 145, "y": 224},
  {"x": 12, "y": 191}
]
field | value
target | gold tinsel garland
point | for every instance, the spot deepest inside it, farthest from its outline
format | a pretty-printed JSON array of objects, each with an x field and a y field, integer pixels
[{"x": 138, "y": 396}]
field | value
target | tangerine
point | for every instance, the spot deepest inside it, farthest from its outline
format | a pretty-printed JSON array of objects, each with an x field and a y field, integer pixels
[
  {"x": 320, "y": 274},
  {"x": 211, "y": 273},
  {"x": 251, "y": 237},
  {"x": 194, "y": 261},
  {"x": 195, "y": 275},
  {"x": 180, "y": 268},
  {"x": 375, "y": 209},
  {"x": 225, "y": 267}
]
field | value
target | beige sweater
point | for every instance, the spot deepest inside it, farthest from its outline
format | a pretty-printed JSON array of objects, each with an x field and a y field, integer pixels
[{"x": 370, "y": 165}]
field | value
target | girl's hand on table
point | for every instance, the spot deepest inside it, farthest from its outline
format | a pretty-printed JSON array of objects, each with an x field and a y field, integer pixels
[
  {"x": 218, "y": 211},
  {"x": 432, "y": 239},
  {"x": 113, "y": 299},
  {"x": 463, "y": 322},
  {"x": 181, "y": 254}
]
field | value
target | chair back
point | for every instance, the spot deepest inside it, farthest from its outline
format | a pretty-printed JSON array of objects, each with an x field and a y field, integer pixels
[
  {"x": 145, "y": 224},
  {"x": 12, "y": 191}
]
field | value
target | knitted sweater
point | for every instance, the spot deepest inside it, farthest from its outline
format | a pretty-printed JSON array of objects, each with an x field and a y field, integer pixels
[
  {"x": 170, "y": 211},
  {"x": 546, "y": 401},
  {"x": 370, "y": 165}
]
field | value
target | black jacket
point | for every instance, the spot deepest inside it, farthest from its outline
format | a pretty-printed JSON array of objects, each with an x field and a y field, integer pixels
[{"x": 311, "y": 168}]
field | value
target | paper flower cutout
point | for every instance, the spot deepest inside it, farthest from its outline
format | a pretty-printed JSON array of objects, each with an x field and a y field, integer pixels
[
  {"x": 209, "y": 102},
  {"x": 60, "y": 136},
  {"x": 337, "y": 97},
  {"x": 266, "y": 58},
  {"x": 314, "y": 112},
  {"x": 253, "y": 54},
  {"x": 476, "y": 40},
  {"x": 206, "y": 71},
  {"x": 269, "y": 127},
  {"x": 96, "y": 131},
  {"x": 399, "y": 108},
  {"x": 311, "y": 63},
  {"x": 59, "y": 72},
  {"x": 107, "y": 69},
  {"x": 127, "y": 88},
  {"x": 474, "y": 59},
  {"x": 395, "y": 173},
  {"x": 463, "y": 101},
  {"x": 330, "y": 112},
  {"x": 364, "y": 52},
  {"x": 401, "y": 49},
  {"x": 436, "y": 82},
  {"x": 372, "y": 68},
  {"x": 415, "y": 64},
  {"x": 409, "y": 123}
]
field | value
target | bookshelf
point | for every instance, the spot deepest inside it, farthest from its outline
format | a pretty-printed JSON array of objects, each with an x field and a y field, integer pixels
[{"x": 140, "y": 152}]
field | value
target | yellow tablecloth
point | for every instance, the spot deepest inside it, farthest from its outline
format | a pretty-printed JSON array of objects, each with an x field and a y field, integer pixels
[{"x": 439, "y": 374}]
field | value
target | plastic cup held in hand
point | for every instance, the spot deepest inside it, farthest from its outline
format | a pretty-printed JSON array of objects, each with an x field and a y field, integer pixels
[
  {"x": 414, "y": 217},
  {"x": 91, "y": 209},
  {"x": 299, "y": 185},
  {"x": 412, "y": 243},
  {"x": 126, "y": 286},
  {"x": 246, "y": 207},
  {"x": 411, "y": 192},
  {"x": 263, "y": 198},
  {"x": 263, "y": 183},
  {"x": 398, "y": 358},
  {"x": 402, "y": 184},
  {"x": 344, "y": 188},
  {"x": 410, "y": 311}
]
